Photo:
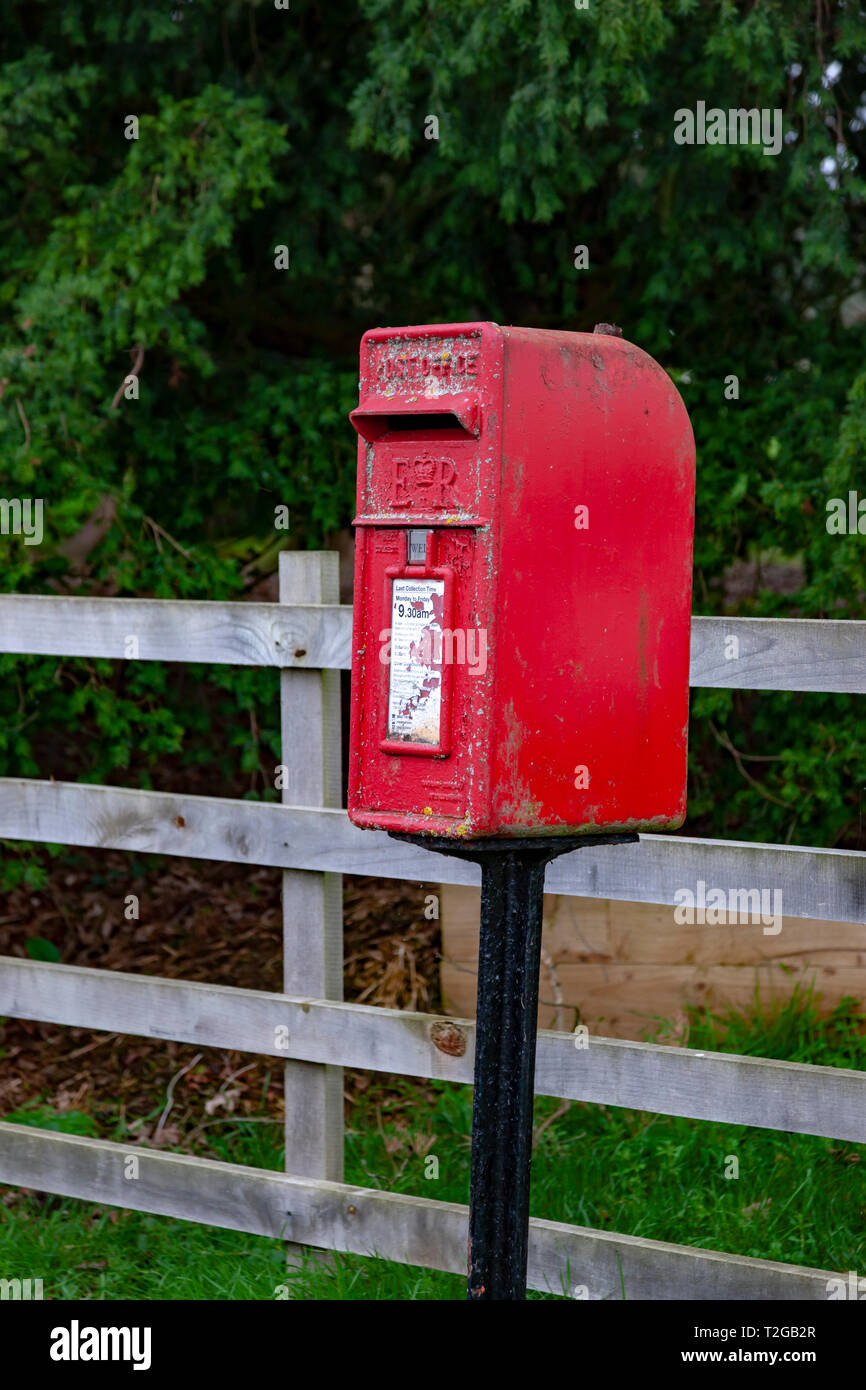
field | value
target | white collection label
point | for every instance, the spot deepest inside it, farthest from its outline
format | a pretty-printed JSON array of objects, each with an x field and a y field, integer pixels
[{"x": 415, "y": 686}]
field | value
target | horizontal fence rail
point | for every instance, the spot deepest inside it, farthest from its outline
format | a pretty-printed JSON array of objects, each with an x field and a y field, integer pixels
[
  {"x": 229, "y": 634},
  {"x": 770, "y": 653},
  {"x": 779, "y": 654},
  {"x": 827, "y": 885},
  {"x": 718, "y": 1086},
  {"x": 409, "y": 1230}
]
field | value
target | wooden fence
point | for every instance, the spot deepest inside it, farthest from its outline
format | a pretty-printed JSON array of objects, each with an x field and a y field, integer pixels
[{"x": 308, "y": 636}]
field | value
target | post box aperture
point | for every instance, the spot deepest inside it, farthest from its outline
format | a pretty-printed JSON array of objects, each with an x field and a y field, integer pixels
[{"x": 522, "y": 590}]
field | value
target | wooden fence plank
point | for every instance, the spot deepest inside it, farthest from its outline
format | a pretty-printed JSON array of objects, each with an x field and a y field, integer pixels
[
  {"x": 411, "y": 1230},
  {"x": 232, "y": 634},
  {"x": 312, "y": 902},
  {"x": 616, "y": 965},
  {"x": 769, "y": 653},
  {"x": 779, "y": 654},
  {"x": 721, "y": 1086},
  {"x": 829, "y": 885}
]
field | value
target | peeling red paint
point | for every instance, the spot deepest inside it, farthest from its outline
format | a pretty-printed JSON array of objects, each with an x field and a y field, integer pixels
[{"x": 586, "y": 631}]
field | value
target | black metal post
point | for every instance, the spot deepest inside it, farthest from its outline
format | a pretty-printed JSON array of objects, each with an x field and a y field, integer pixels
[
  {"x": 509, "y": 954},
  {"x": 512, "y": 890}
]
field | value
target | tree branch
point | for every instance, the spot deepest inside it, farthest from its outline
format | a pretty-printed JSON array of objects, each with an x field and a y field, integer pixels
[{"x": 136, "y": 368}]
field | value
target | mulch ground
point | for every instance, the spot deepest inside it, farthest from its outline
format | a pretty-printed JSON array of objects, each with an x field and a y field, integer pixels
[{"x": 198, "y": 920}]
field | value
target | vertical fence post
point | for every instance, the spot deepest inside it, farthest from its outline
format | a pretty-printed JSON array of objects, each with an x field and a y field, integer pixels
[{"x": 312, "y": 902}]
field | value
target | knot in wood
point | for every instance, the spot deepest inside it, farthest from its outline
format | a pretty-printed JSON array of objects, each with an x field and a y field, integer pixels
[{"x": 448, "y": 1038}]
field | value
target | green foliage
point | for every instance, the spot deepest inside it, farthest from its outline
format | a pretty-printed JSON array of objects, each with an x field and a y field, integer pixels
[
  {"x": 261, "y": 128},
  {"x": 38, "y": 948},
  {"x": 42, "y": 1116}
]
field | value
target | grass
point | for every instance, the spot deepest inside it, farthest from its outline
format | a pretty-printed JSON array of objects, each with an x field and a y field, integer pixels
[{"x": 797, "y": 1198}]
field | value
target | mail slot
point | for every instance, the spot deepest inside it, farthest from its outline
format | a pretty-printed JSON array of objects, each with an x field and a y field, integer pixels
[{"x": 523, "y": 566}]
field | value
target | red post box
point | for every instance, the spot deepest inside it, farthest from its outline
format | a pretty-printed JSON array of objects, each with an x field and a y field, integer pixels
[{"x": 522, "y": 585}]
